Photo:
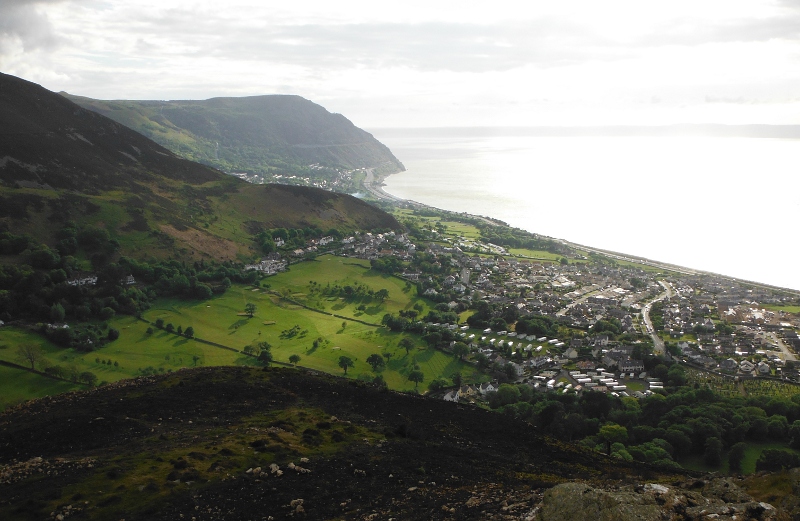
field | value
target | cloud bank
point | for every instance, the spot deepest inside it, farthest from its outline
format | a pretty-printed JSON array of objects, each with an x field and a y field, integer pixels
[{"x": 449, "y": 63}]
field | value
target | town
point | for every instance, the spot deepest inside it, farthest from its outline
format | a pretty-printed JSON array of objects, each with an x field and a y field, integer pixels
[{"x": 575, "y": 322}]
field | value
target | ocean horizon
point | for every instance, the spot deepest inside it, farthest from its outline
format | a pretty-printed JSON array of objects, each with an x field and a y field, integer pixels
[{"x": 713, "y": 199}]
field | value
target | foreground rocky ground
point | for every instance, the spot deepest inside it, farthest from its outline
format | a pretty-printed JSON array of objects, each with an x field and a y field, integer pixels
[{"x": 235, "y": 443}]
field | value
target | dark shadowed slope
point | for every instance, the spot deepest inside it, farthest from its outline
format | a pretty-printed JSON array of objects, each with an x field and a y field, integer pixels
[{"x": 49, "y": 140}]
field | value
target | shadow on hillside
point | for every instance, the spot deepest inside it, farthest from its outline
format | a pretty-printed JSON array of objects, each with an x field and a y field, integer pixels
[
  {"x": 374, "y": 310},
  {"x": 239, "y": 323},
  {"x": 425, "y": 355},
  {"x": 396, "y": 364}
]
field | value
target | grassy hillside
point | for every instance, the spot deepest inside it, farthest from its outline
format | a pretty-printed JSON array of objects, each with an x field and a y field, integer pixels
[
  {"x": 60, "y": 163},
  {"x": 276, "y": 137},
  {"x": 320, "y": 333}
]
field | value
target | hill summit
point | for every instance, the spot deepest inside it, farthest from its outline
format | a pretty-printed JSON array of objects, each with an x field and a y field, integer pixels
[
  {"x": 246, "y": 443},
  {"x": 272, "y": 136}
]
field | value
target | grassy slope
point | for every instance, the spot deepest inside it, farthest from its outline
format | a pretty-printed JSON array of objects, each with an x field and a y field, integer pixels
[
  {"x": 266, "y": 134},
  {"x": 19, "y": 386},
  {"x": 220, "y": 320},
  {"x": 94, "y": 171}
]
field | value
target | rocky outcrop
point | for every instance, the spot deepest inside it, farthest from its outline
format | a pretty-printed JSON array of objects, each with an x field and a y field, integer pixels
[{"x": 717, "y": 498}]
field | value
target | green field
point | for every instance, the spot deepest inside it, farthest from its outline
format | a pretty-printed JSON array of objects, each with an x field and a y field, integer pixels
[
  {"x": 535, "y": 254},
  {"x": 343, "y": 271},
  {"x": 135, "y": 352},
  {"x": 288, "y": 327},
  {"x": 291, "y": 329},
  {"x": 18, "y": 386},
  {"x": 795, "y": 310}
]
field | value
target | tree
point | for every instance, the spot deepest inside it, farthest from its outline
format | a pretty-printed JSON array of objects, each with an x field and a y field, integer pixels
[
  {"x": 416, "y": 376},
  {"x": 195, "y": 359},
  {"x": 179, "y": 331},
  {"x": 55, "y": 371},
  {"x": 482, "y": 361},
  {"x": 457, "y": 378},
  {"x": 676, "y": 376},
  {"x": 713, "y": 452},
  {"x": 250, "y": 309},
  {"x": 265, "y": 357},
  {"x": 735, "y": 457},
  {"x": 189, "y": 333},
  {"x": 382, "y": 294},
  {"x": 294, "y": 359},
  {"x": 460, "y": 350},
  {"x": 433, "y": 338},
  {"x": 345, "y": 362},
  {"x": 612, "y": 433},
  {"x": 507, "y": 394},
  {"x": 107, "y": 313},
  {"x": 170, "y": 328},
  {"x": 438, "y": 384},
  {"x": 30, "y": 354},
  {"x": 406, "y": 343},
  {"x": 88, "y": 378},
  {"x": 160, "y": 323},
  {"x": 56, "y": 312},
  {"x": 376, "y": 361}
]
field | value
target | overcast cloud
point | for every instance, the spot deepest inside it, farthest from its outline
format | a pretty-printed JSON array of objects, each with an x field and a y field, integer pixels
[{"x": 426, "y": 63}]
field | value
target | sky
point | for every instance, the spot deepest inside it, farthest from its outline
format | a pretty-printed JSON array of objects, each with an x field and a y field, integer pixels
[{"x": 427, "y": 64}]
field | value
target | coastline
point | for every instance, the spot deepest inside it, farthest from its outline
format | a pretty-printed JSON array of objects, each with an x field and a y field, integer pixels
[{"x": 373, "y": 185}]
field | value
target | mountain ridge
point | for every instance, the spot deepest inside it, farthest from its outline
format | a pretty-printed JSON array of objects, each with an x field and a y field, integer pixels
[
  {"x": 62, "y": 163},
  {"x": 269, "y": 135}
]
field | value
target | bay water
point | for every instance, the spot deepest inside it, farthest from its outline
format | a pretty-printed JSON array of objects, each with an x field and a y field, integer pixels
[{"x": 727, "y": 205}]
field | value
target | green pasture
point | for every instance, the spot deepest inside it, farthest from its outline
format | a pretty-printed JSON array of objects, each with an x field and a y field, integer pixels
[
  {"x": 635, "y": 385},
  {"x": 291, "y": 329},
  {"x": 342, "y": 271},
  {"x": 135, "y": 352},
  {"x": 461, "y": 230},
  {"x": 17, "y": 386},
  {"x": 288, "y": 327},
  {"x": 535, "y": 254},
  {"x": 795, "y": 310}
]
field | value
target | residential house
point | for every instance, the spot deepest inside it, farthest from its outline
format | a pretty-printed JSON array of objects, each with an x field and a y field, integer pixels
[
  {"x": 487, "y": 387},
  {"x": 746, "y": 366}
]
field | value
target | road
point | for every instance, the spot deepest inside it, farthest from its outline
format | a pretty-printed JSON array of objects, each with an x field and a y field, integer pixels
[
  {"x": 787, "y": 353},
  {"x": 658, "y": 344},
  {"x": 376, "y": 191}
]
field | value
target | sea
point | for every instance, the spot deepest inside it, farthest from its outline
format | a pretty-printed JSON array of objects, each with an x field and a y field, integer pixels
[{"x": 728, "y": 205}]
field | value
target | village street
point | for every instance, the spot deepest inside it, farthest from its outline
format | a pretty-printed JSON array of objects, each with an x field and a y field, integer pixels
[
  {"x": 787, "y": 354},
  {"x": 658, "y": 344}
]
